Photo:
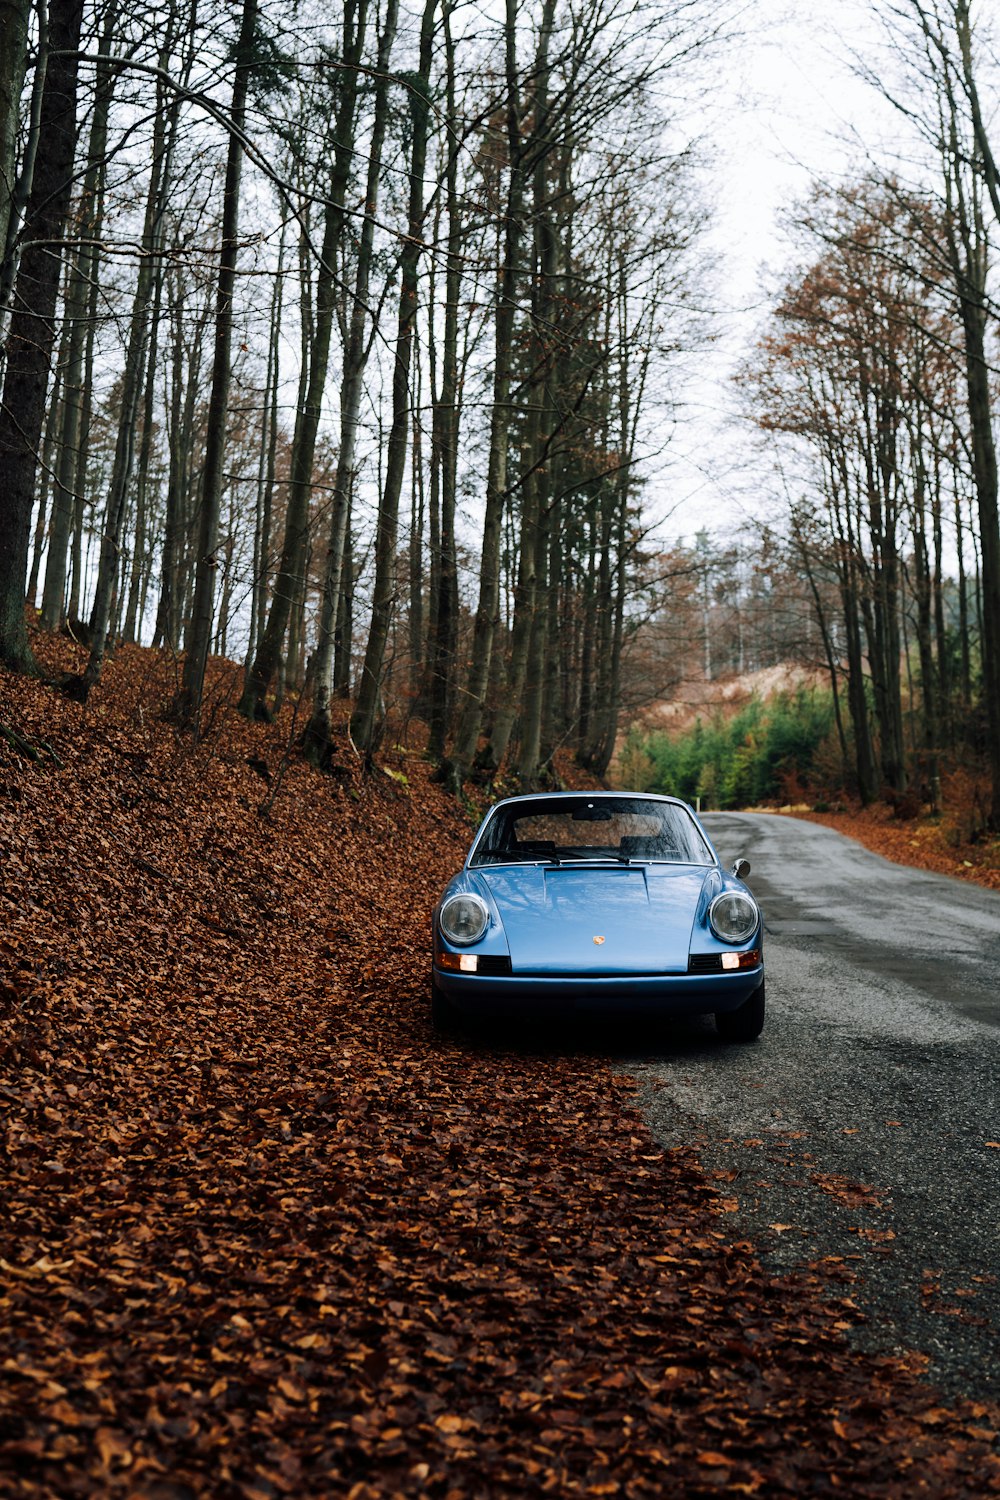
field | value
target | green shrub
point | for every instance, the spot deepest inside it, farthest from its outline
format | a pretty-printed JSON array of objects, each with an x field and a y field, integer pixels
[{"x": 761, "y": 753}]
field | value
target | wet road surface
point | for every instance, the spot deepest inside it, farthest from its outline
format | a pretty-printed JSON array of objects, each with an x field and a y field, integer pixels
[{"x": 863, "y": 1128}]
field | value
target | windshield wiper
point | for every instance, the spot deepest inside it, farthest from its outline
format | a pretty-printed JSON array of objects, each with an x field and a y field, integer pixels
[
  {"x": 512, "y": 858},
  {"x": 596, "y": 859}
]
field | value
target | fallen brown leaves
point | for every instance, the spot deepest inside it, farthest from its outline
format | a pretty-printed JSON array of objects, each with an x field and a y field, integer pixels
[{"x": 263, "y": 1234}]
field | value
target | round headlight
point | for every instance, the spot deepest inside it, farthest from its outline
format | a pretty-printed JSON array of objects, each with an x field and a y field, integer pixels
[
  {"x": 733, "y": 917},
  {"x": 464, "y": 919}
]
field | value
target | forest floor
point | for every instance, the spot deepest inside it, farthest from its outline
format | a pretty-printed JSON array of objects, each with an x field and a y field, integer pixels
[{"x": 262, "y": 1233}]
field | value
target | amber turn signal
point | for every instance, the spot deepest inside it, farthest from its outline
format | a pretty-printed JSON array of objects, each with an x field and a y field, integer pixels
[{"x": 464, "y": 963}]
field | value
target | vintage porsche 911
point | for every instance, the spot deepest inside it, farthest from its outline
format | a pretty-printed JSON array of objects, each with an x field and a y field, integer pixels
[{"x": 599, "y": 901}]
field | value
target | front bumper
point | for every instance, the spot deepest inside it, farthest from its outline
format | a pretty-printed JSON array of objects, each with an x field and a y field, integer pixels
[{"x": 651, "y": 994}]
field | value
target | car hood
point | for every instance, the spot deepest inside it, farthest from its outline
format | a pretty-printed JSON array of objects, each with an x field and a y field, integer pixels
[{"x": 610, "y": 919}]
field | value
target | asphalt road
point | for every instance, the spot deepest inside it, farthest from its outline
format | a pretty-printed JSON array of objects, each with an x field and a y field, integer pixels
[{"x": 856, "y": 1128}]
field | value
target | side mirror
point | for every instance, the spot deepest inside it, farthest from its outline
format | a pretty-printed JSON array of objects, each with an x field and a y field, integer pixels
[{"x": 741, "y": 869}]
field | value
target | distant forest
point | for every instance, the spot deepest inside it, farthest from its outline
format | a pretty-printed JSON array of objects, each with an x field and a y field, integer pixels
[{"x": 347, "y": 343}]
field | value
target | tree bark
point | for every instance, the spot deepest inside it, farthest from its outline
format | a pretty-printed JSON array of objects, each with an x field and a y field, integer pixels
[
  {"x": 365, "y": 728},
  {"x": 317, "y": 734},
  {"x": 14, "y": 17},
  {"x": 109, "y": 571},
  {"x": 315, "y": 369},
  {"x": 32, "y": 326},
  {"x": 444, "y": 439},
  {"x": 82, "y": 282},
  {"x": 198, "y": 644},
  {"x": 455, "y": 770},
  {"x": 21, "y": 183},
  {"x": 527, "y": 649},
  {"x": 267, "y": 461}
]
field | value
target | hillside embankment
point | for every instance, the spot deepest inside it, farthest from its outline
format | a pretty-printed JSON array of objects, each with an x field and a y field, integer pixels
[{"x": 262, "y": 1233}]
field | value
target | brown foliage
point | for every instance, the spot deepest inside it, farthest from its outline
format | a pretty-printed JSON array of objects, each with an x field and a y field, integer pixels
[{"x": 264, "y": 1234}]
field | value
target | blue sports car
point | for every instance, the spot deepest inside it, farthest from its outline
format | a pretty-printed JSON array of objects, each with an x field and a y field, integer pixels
[{"x": 598, "y": 901}]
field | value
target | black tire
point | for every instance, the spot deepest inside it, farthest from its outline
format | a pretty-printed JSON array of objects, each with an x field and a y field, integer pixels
[
  {"x": 444, "y": 1017},
  {"x": 745, "y": 1024}
]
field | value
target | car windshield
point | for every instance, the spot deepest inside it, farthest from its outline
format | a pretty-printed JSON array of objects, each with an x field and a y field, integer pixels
[{"x": 554, "y": 830}]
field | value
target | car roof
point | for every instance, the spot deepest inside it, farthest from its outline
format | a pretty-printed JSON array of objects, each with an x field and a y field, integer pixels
[{"x": 589, "y": 792}]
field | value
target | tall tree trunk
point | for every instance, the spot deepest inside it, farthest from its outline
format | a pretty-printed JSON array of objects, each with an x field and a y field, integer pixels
[
  {"x": 32, "y": 326},
  {"x": 343, "y": 635},
  {"x": 81, "y": 469},
  {"x": 943, "y": 665},
  {"x": 317, "y": 734},
  {"x": 967, "y": 247},
  {"x": 14, "y": 17},
  {"x": 965, "y": 664},
  {"x": 850, "y": 589},
  {"x": 109, "y": 579},
  {"x": 46, "y": 483},
  {"x": 527, "y": 636},
  {"x": 415, "y": 551},
  {"x": 923, "y": 597},
  {"x": 267, "y": 460},
  {"x": 167, "y": 628},
  {"x": 466, "y": 741},
  {"x": 21, "y": 184},
  {"x": 365, "y": 728},
  {"x": 316, "y": 367},
  {"x": 140, "y": 560},
  {"x": 206, "y": 564},
  {"x": 985, "y": 472},
  {"x": 78, "y": 316},
  {"x": 444, "y": 440},
  {"x": 587, "y": 646}
]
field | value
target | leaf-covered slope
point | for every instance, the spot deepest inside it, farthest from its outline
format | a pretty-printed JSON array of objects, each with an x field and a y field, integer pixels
[{"x": 263, "y": 1234}]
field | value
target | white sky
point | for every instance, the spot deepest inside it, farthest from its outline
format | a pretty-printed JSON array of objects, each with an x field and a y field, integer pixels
[{"x": 787, "y": 110}]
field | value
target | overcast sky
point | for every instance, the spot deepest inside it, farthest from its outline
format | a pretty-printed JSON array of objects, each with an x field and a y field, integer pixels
[{"x": 787, "y": 110}]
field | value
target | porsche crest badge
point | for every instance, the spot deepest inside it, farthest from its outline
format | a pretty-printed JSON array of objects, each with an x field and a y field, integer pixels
[{"x": 598, "y": 941}]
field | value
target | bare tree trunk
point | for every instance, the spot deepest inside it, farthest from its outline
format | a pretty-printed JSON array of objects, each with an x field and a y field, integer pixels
[
  {"x": 963, "y": 31},
  {"x": 965, "y": 681},
  {"x": 109, "y": 572},
  {"x": 456, "y": 768},
  {"x": 168, "y": 619},
  {"x": 193, "y": 679},
  {"x": 528, "y": 637},
  {"x": 343, "y": 636},
  {"x": 140, "y": 560},
  {"x": 14, "y": 17},
  {"x": 78, "y": 314},
  {"x": 802, "y": 551},
  {"x": 365, "y": 728},
  {"x": 46, "y": 485},
  {"x": 857, "y": 698},
  {"x": 415, "y": 551},
  {"x": 32, "y": 329},
  {"x": 315, "y": 369},
  {"x": 943, "y": 666},
  {"x": 266, "y": 466},
  {"x": 968, "y": 166},
  {"x": 21, "y": 184},
  {"x": 295, "y": 655},
  {"x": 317, "y": 734},
  {"x": 444, "y": 441},
  {"x": 587, "y": 646}
]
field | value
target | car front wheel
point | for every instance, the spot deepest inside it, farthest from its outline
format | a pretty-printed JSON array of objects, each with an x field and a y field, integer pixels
[{"x": 745, "y": 1024}]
